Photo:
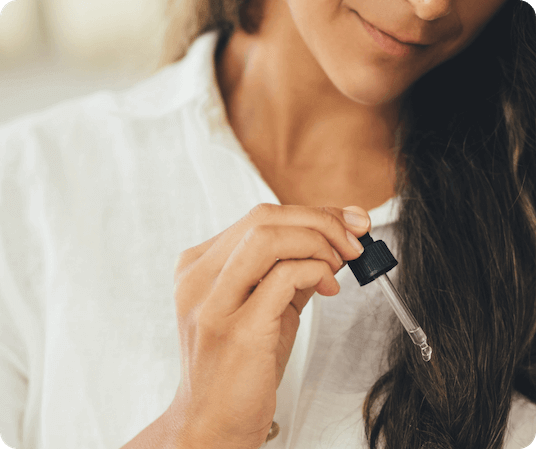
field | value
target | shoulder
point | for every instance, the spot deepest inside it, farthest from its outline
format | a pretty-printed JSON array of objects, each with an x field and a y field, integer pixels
[
  {"x": 165, "y": 92},
  {"x": 84, "y": 132},
  {"x": 37, "y": 134}
]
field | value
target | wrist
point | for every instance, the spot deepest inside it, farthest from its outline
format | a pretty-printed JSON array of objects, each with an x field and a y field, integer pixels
[{"x": 195, "y": 428}]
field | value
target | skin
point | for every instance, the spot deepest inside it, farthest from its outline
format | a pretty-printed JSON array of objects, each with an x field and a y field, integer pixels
[{"x": 315, "y": 101}]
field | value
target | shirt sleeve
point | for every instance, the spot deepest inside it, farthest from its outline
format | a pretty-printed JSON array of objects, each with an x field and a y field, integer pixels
[{"x": 34, "y": 186}]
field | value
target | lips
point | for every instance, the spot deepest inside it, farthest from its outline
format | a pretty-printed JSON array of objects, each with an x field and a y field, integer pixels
[
  {"x": 407, "y": 41},
  {"x": 388, "y": 43}
]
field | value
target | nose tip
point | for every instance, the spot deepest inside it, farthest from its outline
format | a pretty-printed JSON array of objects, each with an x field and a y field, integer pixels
[{"x": 431, "y": 9}]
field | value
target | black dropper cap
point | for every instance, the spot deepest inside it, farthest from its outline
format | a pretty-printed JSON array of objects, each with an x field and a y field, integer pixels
[{"x": 375, "y": 260}]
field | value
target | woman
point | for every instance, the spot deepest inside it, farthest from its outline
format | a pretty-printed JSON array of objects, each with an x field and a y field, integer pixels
[{"x": 310, "y": 107}]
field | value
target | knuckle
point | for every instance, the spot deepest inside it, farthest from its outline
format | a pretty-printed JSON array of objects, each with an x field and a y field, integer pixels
[
  {"x": 183, "y": 304},
  {"x": 326, "y": 268},
  {"x": 213, "y": 330},
  {"x": 328, "y": 217},
  {"x": 206, "y": 322},
  {"x": 294, "y": 273},
  {"x": 321, "y": 268},
  {"x": 321, "y": 241},
  {"x": 203, "y": 319},
  {"x": 323, "y": 247},
  {"x": 185, "y": 258},
  {"x": 322, "y": 271},
  {"x": 260, "y": 235},
  {"x": 284, "y": 270},
  {"x": 262, "y": 210},
  {"x": 180, "y": 262},
  {"x": 188, "y": 291},
  {"x": 182, "y": 268}
]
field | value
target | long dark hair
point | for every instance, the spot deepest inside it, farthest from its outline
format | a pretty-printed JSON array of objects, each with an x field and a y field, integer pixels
[
  {"x": 467, "y": 246},
  {"x": 466, "y": 238}
]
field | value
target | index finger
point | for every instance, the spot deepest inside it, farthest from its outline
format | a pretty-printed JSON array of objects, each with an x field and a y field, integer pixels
[{"x": 329, "y": 221}]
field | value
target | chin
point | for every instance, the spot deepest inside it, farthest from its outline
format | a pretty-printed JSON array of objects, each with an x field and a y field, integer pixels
[{"x": 368, "y": 86}]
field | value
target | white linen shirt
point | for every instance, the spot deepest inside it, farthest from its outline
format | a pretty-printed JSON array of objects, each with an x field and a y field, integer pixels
[{"x": 98, "y": 196}]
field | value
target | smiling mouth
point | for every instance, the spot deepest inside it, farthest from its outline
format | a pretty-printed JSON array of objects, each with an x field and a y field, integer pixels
[
  {"x": 417, "y": 44},
  {"x": 387, "y": 42}
]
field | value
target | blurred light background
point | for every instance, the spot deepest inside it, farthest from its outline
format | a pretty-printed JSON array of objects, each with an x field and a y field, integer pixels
[{"x": 51, "y": 50}]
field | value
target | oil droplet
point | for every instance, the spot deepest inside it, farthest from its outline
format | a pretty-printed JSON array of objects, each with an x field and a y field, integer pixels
[{"x": 426, "y": 352}]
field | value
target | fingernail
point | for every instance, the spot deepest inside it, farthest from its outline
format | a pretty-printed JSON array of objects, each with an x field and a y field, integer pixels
[
  {"x": 354, "y": 242},
  {"x": 355, "y": 218},
  {"x": 337, "y": 256}
]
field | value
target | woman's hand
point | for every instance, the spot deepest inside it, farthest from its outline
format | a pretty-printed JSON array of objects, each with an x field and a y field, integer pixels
[{"x": 238, "y": 300}]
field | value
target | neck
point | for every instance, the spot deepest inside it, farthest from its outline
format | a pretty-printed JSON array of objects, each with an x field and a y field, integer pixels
[{"x": 287, "y": 113}]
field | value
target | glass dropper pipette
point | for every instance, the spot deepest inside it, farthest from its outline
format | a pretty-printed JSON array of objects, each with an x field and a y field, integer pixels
[{"x": 372, "y": 265}]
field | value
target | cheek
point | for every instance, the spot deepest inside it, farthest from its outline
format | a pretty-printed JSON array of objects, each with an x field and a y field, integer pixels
[
  {"x": 355, "y": 65},
  {"x": 313, "y": 15},
  {"x": 357, "y": 68}
]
